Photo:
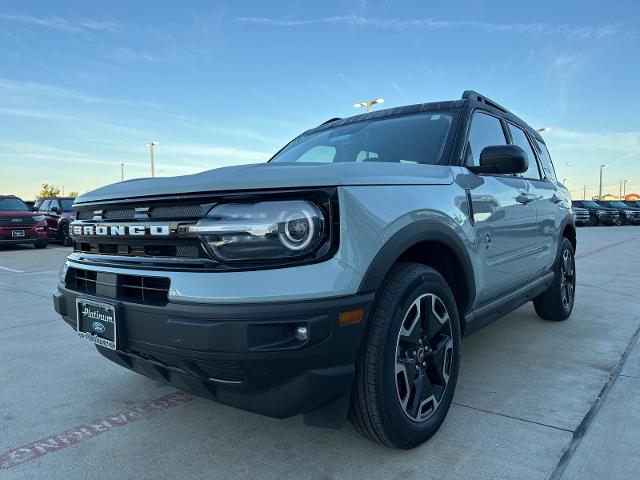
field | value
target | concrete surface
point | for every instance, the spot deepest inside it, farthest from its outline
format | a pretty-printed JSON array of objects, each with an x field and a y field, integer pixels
[{"x": 525, "y": 387}]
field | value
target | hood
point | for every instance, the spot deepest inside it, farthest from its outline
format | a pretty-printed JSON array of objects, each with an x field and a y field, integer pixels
[
  {"x": 15, "y": 214},
  {"x": 276, "y": 175}
]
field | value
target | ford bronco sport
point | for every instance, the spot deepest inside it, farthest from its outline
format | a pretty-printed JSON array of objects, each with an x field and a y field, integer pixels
[{"x": 337, "y": 279}]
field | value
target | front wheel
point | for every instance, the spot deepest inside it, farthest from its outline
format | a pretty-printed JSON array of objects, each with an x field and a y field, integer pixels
[
  {"x": 557, "y": 302},
  {"x": 64, "y": 235},
  {"x": 408, "y": 367}
]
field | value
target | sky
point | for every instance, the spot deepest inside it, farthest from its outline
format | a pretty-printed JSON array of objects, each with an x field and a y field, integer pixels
[{"x": 84, "y": 85}]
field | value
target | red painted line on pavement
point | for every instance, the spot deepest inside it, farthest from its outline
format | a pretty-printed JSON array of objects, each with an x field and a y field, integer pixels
[
  {"x": 58, "y": 441},
  {"x": 606, "y": 247}
]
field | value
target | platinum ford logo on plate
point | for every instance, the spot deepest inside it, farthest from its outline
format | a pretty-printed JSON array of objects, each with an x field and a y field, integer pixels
[{"x": 97, "y": 327}]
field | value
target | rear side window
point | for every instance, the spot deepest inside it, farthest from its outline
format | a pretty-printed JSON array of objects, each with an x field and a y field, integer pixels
[
  {"x": 520, "y": 139},
  {"x": 545, "y": 159},
  {"x": 485, "y": 130}
]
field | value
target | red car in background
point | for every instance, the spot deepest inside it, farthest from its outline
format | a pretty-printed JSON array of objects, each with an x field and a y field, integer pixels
[
  {"x": 18, "y": 224},
  {"x": 59, "y": 213}
]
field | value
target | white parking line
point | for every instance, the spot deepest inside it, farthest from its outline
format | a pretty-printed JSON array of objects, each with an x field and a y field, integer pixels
[{"x": 11, "y": 269}]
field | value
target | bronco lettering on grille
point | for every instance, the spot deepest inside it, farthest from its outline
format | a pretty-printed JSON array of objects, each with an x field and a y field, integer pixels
[{"x": 120, "y": 230}]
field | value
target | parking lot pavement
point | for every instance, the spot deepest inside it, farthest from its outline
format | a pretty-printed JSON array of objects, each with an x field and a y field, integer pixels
[{"x": 535, "y": 399}]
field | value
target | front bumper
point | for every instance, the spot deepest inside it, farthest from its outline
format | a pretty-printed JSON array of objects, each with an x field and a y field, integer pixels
[
  {"x": 31, "y": 235},
  {"x": 242, "y": 355},
  {"x": 581, "y": 218}
]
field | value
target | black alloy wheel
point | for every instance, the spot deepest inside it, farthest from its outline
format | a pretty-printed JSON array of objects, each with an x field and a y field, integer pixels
[
  {"x": 424, "y": 349},
  {"x": 567, "y": 279},
  {"x": 556, "y": 303}
]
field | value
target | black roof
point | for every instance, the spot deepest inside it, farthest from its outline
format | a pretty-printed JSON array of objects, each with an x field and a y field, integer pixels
[{"x": 468, "y": 96}]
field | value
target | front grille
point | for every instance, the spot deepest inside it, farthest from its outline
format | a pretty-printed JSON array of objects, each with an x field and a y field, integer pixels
[
  {"x": 123, "y": 214},
  {"x": 130, "y": 288},
  {"x": 169, "y": 247},
  {"x": 24, "y": 222},
  {"x": 187, "y": 248},
  {"x": 178, "y": 212}
]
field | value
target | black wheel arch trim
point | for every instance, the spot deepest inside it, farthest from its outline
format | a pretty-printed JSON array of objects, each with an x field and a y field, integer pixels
[{"x": 413, "y": 234}]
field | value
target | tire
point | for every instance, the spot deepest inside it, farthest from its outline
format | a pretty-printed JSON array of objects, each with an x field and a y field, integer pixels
[
  {"x": 556, "y": 304},
  {"x": 398, "y": 337},
  {"x": 64, "y": 235},
  {"x": 618, "y": 222},
  {"x": 593, "y": 221},
  {"x": 41, "y": 243}
]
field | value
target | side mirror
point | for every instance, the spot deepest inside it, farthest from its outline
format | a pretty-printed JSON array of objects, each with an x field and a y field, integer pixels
[
  {"x": 55, "y": 210},
  {"x": 505, "y": 159}
]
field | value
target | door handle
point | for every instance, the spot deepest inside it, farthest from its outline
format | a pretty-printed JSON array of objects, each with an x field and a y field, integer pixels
[{"x": 525, "y": 198}]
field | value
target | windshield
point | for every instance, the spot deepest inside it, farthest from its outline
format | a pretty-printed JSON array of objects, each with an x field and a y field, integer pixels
[
  {"x": 13, "y": 204},
  {"x": 416, "y": 138},
  {"x": 591, "y": 205},
  {"x": 66, "y": 204},
  {"x": 618, "y": 204}
]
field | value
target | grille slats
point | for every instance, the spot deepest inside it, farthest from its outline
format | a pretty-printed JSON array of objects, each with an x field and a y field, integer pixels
[
  {"x": 129, "y": 288},
  {"x": 25, "y": 222},
  {"x": 149, "y": 247},
  {"x": 158, "y": 212}
]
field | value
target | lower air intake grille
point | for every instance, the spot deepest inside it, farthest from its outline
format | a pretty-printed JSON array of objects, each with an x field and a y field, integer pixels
[{"x": 129, "y": 288}]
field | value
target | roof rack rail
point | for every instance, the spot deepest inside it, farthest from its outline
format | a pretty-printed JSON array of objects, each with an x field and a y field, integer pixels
[
  {"x": 330, "y": 120},
  {"x": 478, "y": 97}
]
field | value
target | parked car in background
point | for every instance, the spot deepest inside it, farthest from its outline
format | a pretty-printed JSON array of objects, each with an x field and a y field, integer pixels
[
  {"x": 632, "y": 203},
  {"x": 599, "y": 215},
  {"x": 59, "y": 214},
  {"x": 628, "y": 215},
  {"x": 581, "y": 216},
  {"x": 29, "y": 203},
  {"x": 18, "y": 224}
]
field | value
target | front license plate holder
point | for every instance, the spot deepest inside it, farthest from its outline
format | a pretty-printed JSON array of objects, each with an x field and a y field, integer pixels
[
  {"x": 17, "y": 233},
  {"x": 97, "y": 322}
]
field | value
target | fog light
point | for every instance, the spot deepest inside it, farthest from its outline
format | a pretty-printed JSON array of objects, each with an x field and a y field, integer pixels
[{"x": 301, "y": 334}]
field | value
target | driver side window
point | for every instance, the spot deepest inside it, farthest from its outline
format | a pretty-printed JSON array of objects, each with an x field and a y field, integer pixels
[{"x": 485, "y": 130}]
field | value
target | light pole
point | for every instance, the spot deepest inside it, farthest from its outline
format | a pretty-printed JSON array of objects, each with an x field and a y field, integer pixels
[
  {"x": 601, "y": 168},
  {"x": 543, "y": 129},
  {"x": 151, "y": 146},
  {"x": 369, "y": 104},
  {"x": 122, "y": 170},
  {"x": 624, "y": 188}
]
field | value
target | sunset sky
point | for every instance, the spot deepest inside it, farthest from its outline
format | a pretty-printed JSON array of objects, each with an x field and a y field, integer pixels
[{"x": 84, "y": 85}]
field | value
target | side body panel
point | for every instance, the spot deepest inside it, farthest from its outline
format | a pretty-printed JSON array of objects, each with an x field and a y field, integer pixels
[{"x": 506, "y": 232}]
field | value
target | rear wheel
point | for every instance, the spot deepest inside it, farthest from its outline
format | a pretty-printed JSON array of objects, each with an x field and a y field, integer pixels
[
  {"x": 41, "y": 243},
  {"x": 557, "y": 302},
  {"x": 408, "y": 368}
]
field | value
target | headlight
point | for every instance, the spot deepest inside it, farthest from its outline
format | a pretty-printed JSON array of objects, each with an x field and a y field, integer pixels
[
  {"x": 39, "y": 218},
  {"x": 600, "y": 212},
  {"x": 271, "y": 230}
]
